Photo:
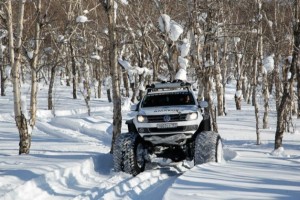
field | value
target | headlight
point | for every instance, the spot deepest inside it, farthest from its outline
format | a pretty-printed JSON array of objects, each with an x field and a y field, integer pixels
[
  {"x": 141, "y": 118},
  {"x": 192, "y": 116}
]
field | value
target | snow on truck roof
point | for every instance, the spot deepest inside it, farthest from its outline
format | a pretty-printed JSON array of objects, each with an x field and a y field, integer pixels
[
  {"x": 168, "y": 85},
  {"x": 168, "y": 92}
]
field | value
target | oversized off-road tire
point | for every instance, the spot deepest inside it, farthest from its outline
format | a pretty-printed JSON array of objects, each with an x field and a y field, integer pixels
[
  {"x": 118, "y": 154},
  {"x": 208, "y": 148},
  {"x": 128, "y": 154}
]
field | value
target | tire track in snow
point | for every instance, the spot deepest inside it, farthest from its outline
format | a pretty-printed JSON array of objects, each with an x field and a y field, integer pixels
[
  {"x": 86, "y": 126},
  {"x": 124, "y": 186},
  {"x": 117, "y": 185},
  {"x": 67, "y": 180},
  {"x": 72, "y": 131},
  {"x": 65, "y": 183}
]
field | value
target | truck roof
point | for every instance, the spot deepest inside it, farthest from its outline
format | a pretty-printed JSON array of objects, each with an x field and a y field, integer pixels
[{"x": 168, "y": 86}]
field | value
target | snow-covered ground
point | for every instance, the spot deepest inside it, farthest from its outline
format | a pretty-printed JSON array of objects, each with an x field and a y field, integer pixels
[{"x": 69, "y": 158}]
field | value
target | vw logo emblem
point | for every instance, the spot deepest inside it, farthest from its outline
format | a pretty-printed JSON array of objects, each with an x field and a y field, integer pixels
[{"x": 167, "y": 118}]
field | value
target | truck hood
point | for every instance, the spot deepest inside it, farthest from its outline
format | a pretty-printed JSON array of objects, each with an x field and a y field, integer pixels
[{"x": 168, "y": 110}]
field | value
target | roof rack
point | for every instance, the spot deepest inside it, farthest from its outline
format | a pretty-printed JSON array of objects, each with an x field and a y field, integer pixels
[{"x": 168, "y": 85}]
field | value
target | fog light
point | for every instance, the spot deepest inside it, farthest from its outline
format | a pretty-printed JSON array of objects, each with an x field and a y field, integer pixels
[
  {"x": 141, "y": 118},
  {"x": 141, "y": 130},
  {"x": 192, "y": 116}
]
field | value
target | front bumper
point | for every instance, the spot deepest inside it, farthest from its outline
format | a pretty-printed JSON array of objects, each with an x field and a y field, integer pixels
[{"x": 177, "y": 139}]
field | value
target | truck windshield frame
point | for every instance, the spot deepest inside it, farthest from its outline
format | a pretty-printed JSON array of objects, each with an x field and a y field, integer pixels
[{"x": 168, "y": 99}]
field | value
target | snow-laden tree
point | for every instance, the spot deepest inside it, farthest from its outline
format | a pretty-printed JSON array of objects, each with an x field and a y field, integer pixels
[
  {"x": 184, "y": 48},
  {"x": 141, "y": 46},
  {"x": 141, "y": 72},
  {"x": 171, "y": 32}
]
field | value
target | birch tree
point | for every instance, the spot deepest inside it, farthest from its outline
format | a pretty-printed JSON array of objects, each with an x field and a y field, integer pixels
[
  {"x": 296, "y": 55},
  {"x": 15, "y": 59},
  {"x": 259, "y": 58},
  {"x": 3, "y": 40},
  {"x": 3, "y": 74},
  {"x": 287, "y": 85},
  {"x": 217, "y": 67},
  {"x": 34, "y": 65},
  {"x": 110, "y": 9}
]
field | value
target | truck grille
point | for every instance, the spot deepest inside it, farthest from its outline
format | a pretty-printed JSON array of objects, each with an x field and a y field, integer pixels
[
  {"x": 160, "y": 118},
  {"x": 179, "y": 129}
]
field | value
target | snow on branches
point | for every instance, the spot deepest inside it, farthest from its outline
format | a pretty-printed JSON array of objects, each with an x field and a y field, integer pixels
[
  {"x": 268, "y": 64},
  {"x": 174, "y": 30}
]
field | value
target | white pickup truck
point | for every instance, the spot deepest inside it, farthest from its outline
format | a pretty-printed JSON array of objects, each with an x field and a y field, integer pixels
[{"x": 170, "y": 123}]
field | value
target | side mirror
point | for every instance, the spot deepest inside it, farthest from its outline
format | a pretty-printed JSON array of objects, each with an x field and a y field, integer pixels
[
  {"x": 203, "y": 104},
  {"x": 134, "y": 107}
]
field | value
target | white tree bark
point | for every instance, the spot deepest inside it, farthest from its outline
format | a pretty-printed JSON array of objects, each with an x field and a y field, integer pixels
[
  {"x": 258, "y": 60},
  {"x": 218, "y": 77},
  {"x": 34, "y": 63},
  {"x": 117, "y": 115},
  {"x": 2, "y": 70},
  {"x": 21, "y": 121}
]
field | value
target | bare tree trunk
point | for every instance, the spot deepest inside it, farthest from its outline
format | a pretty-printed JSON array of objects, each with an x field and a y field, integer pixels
[
  {"x": 224, "y": 74},
  {"x": 291, "y": 108},
  {"x": 125, "y": 81},
  {"x": 287, "y": 96},
  {"x": 21, "y": 121},
  {"x": 250, "y": 83},
  {"x": 99, "y": 79},
  {"x": 34, "y": 62},
  {"x": 50, "y": 91},
  {"x": 211, "y": 106},
  {"x": 74, "y": 77},
  {"x": 249, "y": 91},
  {"x": 238, "y": 94},
  {"x": 217, "y": 69},
  {"x": 172, "y": 54},
  {"x": 52, "y": 75},
  {"x": 266, "y": 95},
  {"x": 244, "y": 86},
  {"x": 298, "y": 92},
  {"x": 277, "y": 82},
  {"x": 297, "y": 65},
  {"x": 99, "y": 75},
  {"x": 259, "y": 49},
  {"x": 219, "y": 86},
  {"x": 2, "y": 70},
  {"x": 254, "y": 98},
  {"x": 201, "y": 88},
  {"x": 265, "y": 89},
  {"x": 108, "y": 95},
  {"x": 132, "y": 86},
  {"x": 281, "y": 113},
  {"x": 68, "y": 74},
  {"x": 117, "y": 115},
  {"x": 256, "y": 112}
]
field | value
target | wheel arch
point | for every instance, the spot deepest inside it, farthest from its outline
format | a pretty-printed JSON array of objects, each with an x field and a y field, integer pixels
[{"x": 131, "y": 126}]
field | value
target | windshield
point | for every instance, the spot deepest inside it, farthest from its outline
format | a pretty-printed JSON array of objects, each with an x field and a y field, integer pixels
[{"x": 168, "y": 99}]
